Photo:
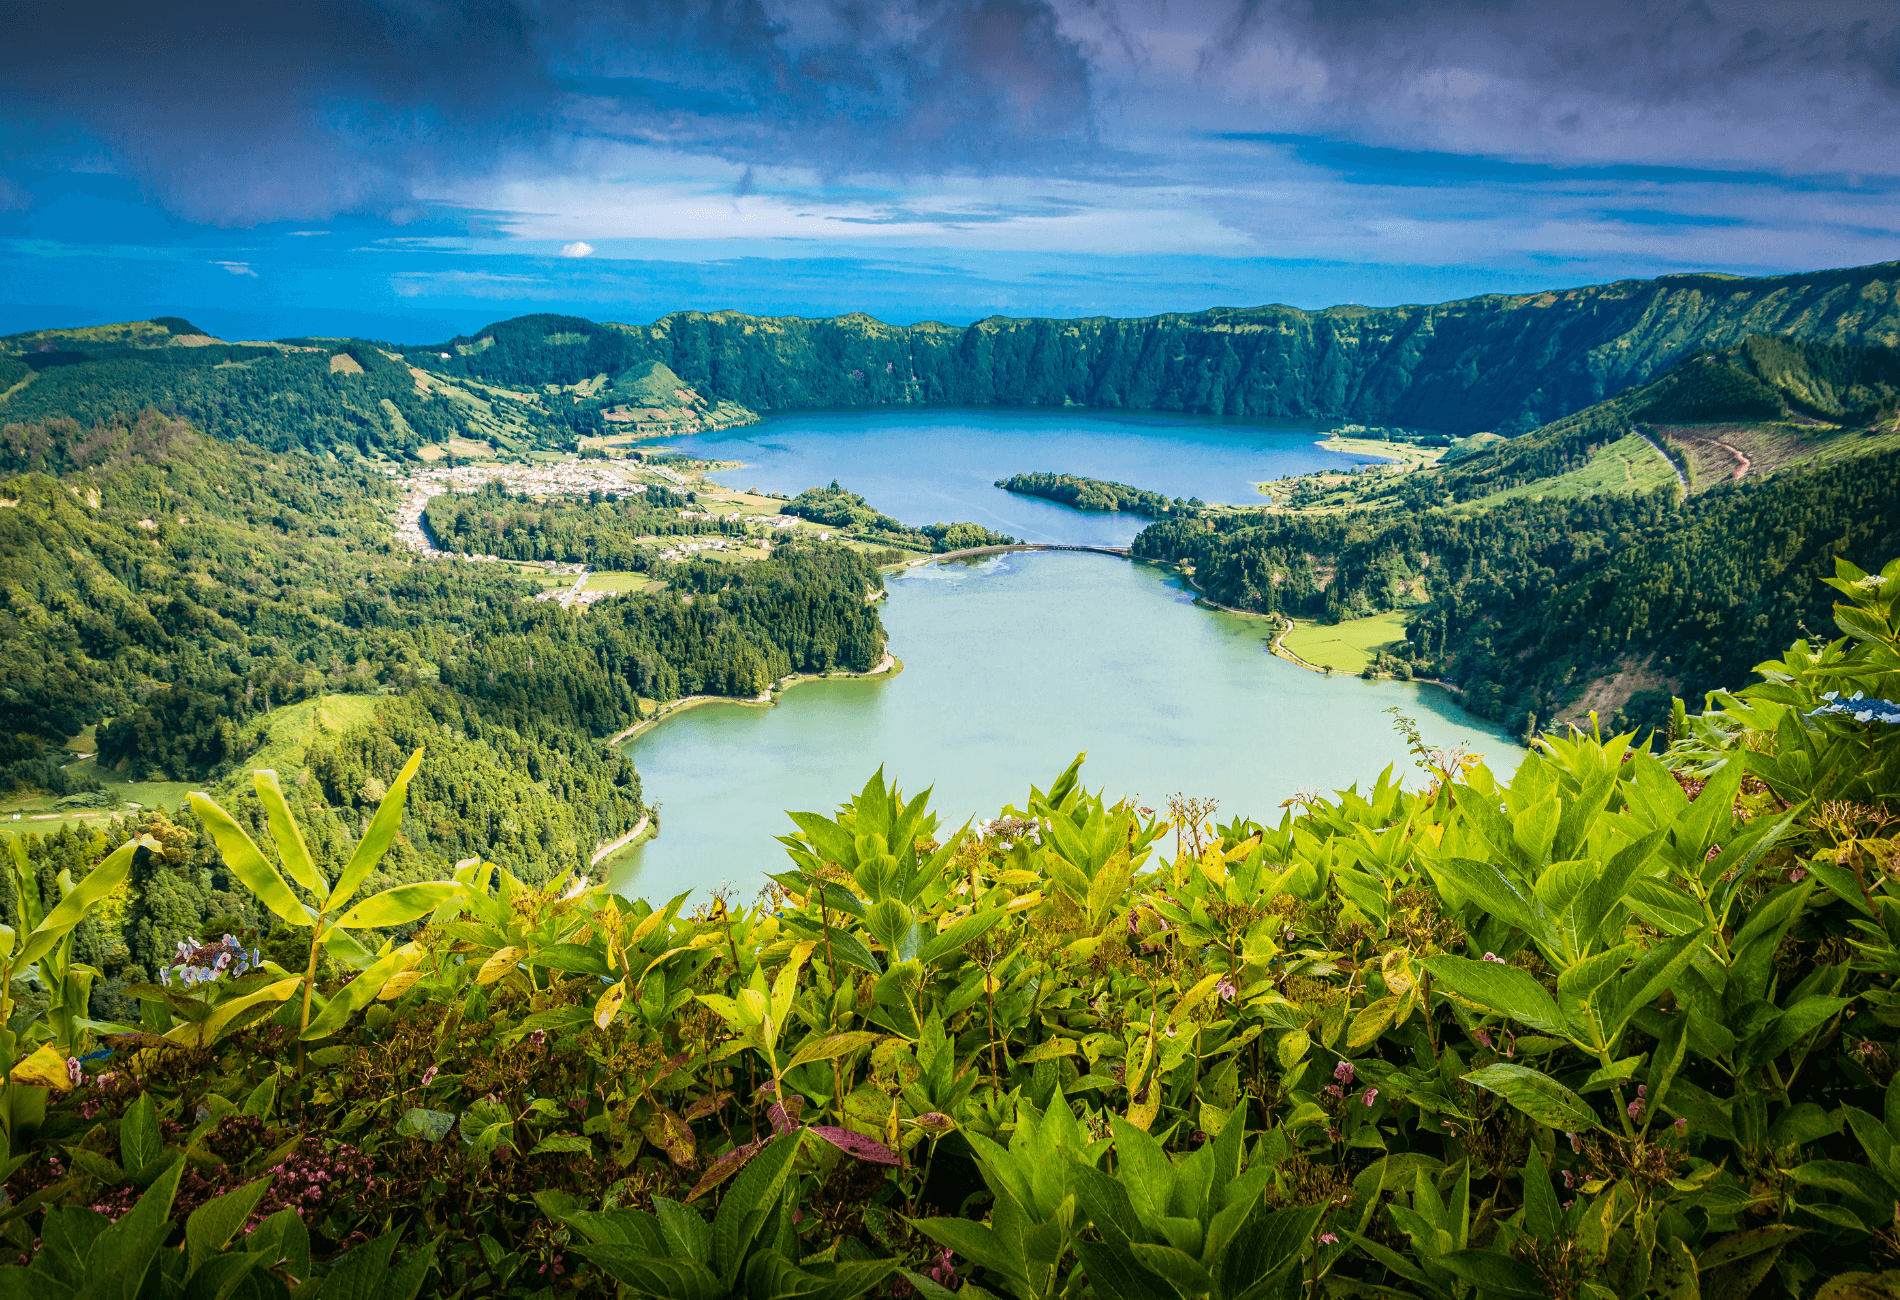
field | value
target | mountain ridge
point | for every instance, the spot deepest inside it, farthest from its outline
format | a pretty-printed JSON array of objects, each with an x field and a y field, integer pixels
[{"x": 1459, "y": 367}]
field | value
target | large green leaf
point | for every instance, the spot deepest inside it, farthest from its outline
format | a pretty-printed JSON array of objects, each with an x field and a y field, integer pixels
[
  {"x": 749, "y": 1199},
  {"x": 1657, "y": 970},
  {"x": 285, "y": 831},
  {"x": 245, "y": 861},
  {"x": 1493, "y": 1274},
  {"x": 663, "y": 1278},
  {"x": 99, "y": 882},
  {"x": 377, "y": 839},
  {"x": 1500, "y": 988},
  {"x": 400, "y": 905},
  {"x": 957, "y": 934},
  {"x": 1537, "y": 1095},
  {"x": 213, "y": 1224},
  {"x": 359, "y": 992}
]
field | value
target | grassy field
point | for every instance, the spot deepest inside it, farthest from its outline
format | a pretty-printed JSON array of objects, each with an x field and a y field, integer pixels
[
  {"x": 288, "y": 729},
  {"x": 40, "y": 814},
  {"x": 1346, "y": 647},
  {"x": 1630, "y": 464},
  {"x": 608, "y": 580}
]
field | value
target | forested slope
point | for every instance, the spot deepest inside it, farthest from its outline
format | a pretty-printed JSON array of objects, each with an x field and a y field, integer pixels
[
  {"x": 1506, "y": 363},
  {"x": 1542, "y": 603}
]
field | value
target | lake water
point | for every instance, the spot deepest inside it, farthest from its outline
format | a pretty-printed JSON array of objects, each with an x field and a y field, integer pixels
[
  {"x": 940, "y": 466},
  {"x": 1015, "y": 663}
]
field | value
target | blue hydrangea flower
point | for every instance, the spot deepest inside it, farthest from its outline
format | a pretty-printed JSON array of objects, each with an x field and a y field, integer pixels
[{"x": 1858, "y": 707}]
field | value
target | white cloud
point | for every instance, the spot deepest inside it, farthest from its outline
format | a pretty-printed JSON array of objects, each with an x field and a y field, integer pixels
[
  {"x": 578, "y": 248},
  {"x": 237, "y": 268}
]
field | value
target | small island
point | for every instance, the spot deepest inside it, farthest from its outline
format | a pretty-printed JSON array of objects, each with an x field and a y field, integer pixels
[{"x": 1100, "y": 494}]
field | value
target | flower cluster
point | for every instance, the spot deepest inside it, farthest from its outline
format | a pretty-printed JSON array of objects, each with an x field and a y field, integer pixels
[
  {"x": 1859, "y": 707},
  {"x": 198, "y": 963}
]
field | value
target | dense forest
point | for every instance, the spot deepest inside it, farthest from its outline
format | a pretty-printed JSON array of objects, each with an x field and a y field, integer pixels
[
  {"x": 1098, "y": 494},
  {"x": 602, "y": 529}
]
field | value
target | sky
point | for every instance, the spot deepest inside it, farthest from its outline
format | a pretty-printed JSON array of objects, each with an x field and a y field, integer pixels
[{"x": 413, "y": 169}]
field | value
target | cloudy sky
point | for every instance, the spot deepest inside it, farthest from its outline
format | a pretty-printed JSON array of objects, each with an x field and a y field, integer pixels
[{"x": 408, "y": 169}]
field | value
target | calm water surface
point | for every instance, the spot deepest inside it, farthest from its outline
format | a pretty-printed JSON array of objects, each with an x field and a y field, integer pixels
[
  {"x": 1013, "y": 665},
  {"x": 931, "y": 466}
]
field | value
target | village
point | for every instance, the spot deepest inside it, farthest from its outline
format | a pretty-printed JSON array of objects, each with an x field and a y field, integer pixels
[{"x": 572, "y": 478}]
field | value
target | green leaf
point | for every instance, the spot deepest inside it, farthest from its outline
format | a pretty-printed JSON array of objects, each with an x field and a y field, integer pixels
[
  {"x": 213, "y": 1224},
  {"x": 1537, "y": 1095},
  {"x": 641, "y": 1274},
  {"x": 575, "y": 957},
  {"x": 556, "y": 1143},
  {"x": 957, "y": 934},
  {"x": 1263, "y": 1245},
  {"x": 829, "y": 1047},
  {"x": 752, "y": 1194},
  {"x": 128, "y": 1247},
  {"x": 247, "y": 863},
  {"x": 358, "y": 993},
  {"x": 430, "y": 1125},
  {"x": 99, "y": 882},
  {"x": 262, "y": 1098},
  {"x": 1503, "y": 989},
  {"x": 1541, "y": 1215},
  {"x": 139, "y": 1140},
  {"x": 687, "y": 1235},
  {"x": 976, "y": 1242},
  {"x": 1654, "y": 972},
  {"x": 284, "y": 830},
  {"x": 1115, "y": 1275},
  {"x": 365, "y": 1273},
  {"x": 1492, "y": 1273},
  {"x": 377, "y": 839},
  {"x": 400, "y": 905}
]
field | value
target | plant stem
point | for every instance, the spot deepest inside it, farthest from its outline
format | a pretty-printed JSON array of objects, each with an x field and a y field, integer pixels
[{"x": 309, "y": 981}]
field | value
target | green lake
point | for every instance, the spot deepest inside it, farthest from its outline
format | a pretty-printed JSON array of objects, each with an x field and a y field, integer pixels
[{"x": 1012, "y": 665}]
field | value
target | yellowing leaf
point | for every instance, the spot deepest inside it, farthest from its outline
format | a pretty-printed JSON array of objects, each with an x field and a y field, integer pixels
[
  {"x": 500, "y": 963},
  {"x": 398, "y": 984},
  {"x": 609, "y": 1005},
  {"x": 1371, "y": 1021},
  {"x": 46, "y": 1068}
]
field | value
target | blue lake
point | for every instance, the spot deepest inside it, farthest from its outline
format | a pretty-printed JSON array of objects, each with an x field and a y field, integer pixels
[
  {"x": 940, "y": 466},
  {"x": 1015, "y": 663}
]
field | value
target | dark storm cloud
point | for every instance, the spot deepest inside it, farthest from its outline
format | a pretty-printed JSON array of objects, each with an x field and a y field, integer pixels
[
  {"x": 237, "y": 112},
  {"x": 1796, "y": 85}
]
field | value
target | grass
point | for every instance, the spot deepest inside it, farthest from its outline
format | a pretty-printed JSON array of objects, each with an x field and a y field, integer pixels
[
  {"x": 288, "y": 730},
  {"x": 1407, "y": 455},
  {"x": 1630, "y": 464},
  {"x": 608, "y": 580},
  {"x": 1346, "y": 647}
]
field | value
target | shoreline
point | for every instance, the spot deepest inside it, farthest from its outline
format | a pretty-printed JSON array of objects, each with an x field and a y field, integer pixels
[
  {"x": 1277, "y": 646},
  {"x": 612, "y": 846},
  {"x": 889, "y": 666}
]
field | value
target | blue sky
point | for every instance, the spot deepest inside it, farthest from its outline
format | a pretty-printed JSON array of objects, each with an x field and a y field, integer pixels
[{"x": 410, "y": 169}]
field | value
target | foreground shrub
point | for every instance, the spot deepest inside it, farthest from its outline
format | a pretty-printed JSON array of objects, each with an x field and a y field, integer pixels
[{"x": 1623, "y": 1026}]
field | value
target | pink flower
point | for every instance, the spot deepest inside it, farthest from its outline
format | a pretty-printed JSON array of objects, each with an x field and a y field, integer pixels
[
  {"x": 1331, "y": 1090},
  {"x": 1372, "y": 1095},
  {"x": 1328, "y": 1239},
  {"x": 1491, "y": 956},
  {"x": 1574, "y": 1144},
  {"x": 1226, "y": 990},
  {"x": 1483, "y": 1038},
  {"x": 1344, "y": 1073}
]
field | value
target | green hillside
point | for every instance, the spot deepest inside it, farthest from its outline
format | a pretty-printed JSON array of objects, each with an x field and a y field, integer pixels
[
  {"x": 1502, "y": 363},
  {"x": 1566, "y": 570}
]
